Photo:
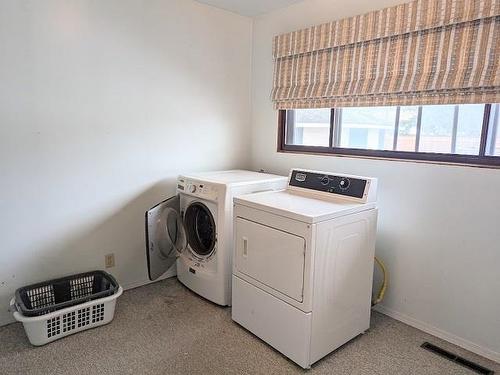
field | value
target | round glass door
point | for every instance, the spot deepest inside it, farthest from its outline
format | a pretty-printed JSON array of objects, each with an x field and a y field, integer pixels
[{"x": 200, "y": 229}]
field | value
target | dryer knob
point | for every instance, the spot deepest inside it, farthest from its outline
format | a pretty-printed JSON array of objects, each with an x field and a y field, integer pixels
[
  {"x": 191, "y": 188},
  {"x": 344, "y": 183}
]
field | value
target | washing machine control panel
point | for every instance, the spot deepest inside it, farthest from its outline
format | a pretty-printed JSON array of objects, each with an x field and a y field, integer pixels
[
  {"x": 198, "y": 189},
  {"x": 348, "y": 186}
]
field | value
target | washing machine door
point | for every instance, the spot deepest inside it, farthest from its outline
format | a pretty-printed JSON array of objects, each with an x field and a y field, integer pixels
[
  {"x": 165, "y": 236},
  {"x": 200, "y": 228}
]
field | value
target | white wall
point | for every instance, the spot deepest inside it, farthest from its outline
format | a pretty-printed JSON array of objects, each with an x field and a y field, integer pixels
[
  {"x": 102, "y": 104},
  {"x": 438, "y": 225}
]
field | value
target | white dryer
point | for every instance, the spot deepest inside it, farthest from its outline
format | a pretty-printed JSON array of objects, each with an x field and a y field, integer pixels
[
  {"x": 194, "y": 229},
  {"x": 303, "y": 263}
]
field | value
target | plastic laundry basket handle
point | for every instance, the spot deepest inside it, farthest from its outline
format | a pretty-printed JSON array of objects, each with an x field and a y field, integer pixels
[{"x": 13, "y": 308}]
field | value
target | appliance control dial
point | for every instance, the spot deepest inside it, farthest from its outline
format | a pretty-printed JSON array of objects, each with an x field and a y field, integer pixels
[
  {"x": 191, "y": 188},
  {"x": 325, "y": 180},
  {"x": 344, "y": 183}
]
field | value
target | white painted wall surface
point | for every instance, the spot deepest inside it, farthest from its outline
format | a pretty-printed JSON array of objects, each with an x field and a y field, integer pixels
[
  {"x": 102, "y": 105},
  {"x": 438, "y": 229}
]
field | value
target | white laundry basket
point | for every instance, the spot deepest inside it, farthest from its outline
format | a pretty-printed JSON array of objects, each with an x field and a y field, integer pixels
[{"x": 61, "y": 307}]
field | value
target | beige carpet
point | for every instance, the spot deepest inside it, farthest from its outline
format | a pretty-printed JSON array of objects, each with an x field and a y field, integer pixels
[{"x": 163, "y": 328}]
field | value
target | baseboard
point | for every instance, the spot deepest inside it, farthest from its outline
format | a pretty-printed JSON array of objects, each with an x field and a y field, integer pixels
[
  {"x": 463, "y": 343},
  {"x": 8, "y": 321},
  {"x": 135, "y": 284}
]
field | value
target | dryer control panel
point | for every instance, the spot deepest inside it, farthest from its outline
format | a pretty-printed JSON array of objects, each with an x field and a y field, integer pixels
[{"x": 353, "y": 187}]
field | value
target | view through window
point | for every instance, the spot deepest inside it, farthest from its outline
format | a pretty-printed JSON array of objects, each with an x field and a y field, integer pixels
[{"x": 466, "y": 129}]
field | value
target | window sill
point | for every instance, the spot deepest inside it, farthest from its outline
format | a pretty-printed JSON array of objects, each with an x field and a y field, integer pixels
[{"x": 402, "y": 156}]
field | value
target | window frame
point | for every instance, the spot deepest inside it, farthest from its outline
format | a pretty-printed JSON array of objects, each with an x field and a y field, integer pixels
[{"x": 481, "y": 160}]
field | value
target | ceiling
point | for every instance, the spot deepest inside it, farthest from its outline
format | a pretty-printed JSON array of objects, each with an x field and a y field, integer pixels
[{"x": 249, "y": 8}]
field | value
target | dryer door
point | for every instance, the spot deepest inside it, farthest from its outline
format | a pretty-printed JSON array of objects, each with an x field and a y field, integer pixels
[
  {"x": 271, "y": 257},
  {"x": 165, "y": 236}
]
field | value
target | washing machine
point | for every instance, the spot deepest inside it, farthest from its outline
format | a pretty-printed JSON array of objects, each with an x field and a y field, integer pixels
[
  {"x": 303, "y": 263},
  {"x": 194, "y": 229}
]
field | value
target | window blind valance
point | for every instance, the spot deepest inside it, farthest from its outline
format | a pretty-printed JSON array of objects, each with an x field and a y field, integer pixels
[{"x": 422, "y": 52}]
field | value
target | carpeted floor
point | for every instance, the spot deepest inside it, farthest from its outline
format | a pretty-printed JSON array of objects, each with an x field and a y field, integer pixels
[{"x": 163, "y": 328}]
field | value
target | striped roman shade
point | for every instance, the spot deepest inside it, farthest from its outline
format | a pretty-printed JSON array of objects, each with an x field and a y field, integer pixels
[{"x": 422, "y": 52}]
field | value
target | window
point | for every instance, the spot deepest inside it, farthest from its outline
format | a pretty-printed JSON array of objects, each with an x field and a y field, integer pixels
[
  {"x": 311, "y": 127},
  {"x": 367, "y": 127},
  {"x": 493, "y": 146},
  {"x": 465, "y": 133}
]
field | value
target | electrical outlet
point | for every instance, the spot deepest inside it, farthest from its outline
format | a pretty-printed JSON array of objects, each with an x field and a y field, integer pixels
[{"x": 109, "y": 260}]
